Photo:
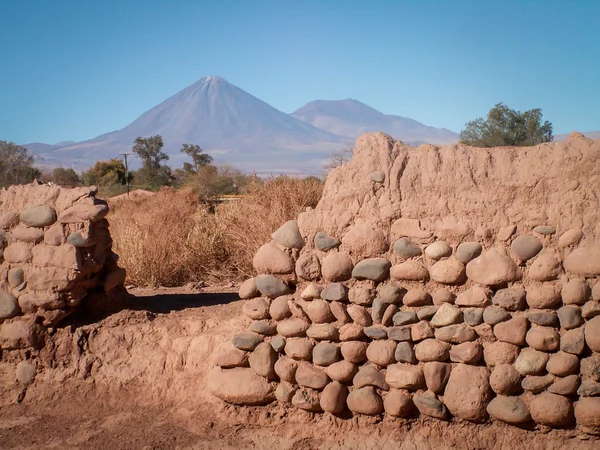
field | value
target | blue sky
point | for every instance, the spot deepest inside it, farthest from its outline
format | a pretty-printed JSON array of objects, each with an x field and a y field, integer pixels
[{"x": 77, "y": 69}]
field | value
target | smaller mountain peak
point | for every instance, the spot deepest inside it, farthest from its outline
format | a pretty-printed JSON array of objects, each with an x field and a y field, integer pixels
[{"x": 577, "y": 136}]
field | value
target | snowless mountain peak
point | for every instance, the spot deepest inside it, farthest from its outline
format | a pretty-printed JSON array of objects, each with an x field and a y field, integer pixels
[
  {"x": 228, "y": 123},
  {"x": 211, "y": 81},
  {"x": 237, "y": 128},
  {"x": 350, "y": 117},
  {"x": 208, "y": 79}
]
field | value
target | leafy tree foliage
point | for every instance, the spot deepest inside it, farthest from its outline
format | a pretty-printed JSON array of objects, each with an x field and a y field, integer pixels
[
  {"x": 16, "y": 165},
  {"x": 106, "y": 173},
  {"x": 313, "y": 179},
  {"x": 199, "y": 159},
  {"x": 153, "y": 172},
  {"x": 507, "y": 127},
  {"x": 62, "y": 177},
  {"x": 212, "y": 181}
]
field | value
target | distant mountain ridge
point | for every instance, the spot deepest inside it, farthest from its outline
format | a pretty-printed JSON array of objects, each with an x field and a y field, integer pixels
[
  {"x": 232, "y": 125},
  {"x": 352, "y": 118},
  {"x": 589, "y": 134},
  {"x": 237, "y": 128}
]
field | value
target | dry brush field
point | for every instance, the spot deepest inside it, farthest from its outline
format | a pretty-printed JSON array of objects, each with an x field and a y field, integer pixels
[{"x": 173, "y": 237}]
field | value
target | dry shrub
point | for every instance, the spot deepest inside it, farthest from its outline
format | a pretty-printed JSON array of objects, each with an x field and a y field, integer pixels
[
  {"x": 172, "y": 238},
  {"x": 249, "y": 223},
  {"x": 154, "y": 236}
]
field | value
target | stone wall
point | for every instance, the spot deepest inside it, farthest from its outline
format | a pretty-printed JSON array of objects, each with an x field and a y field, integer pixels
[
  {"x": 55, "y": 248},
  {"x": 433, "y": 281}
]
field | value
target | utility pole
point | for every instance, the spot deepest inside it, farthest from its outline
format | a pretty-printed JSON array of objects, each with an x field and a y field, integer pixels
[{"x": 125, "y": 155}]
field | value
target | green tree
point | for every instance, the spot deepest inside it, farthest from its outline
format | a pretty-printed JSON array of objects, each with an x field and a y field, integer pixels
[
  {"x": 153, "y": 172},
  {"x": 199, "y": 158},
  {"x": 313, "y": 179},
  {"x": 507, "y": 127},
  {"x": 16, "y": 165},
  {"x": 106, "y": 173},
  {"x": 62, "y": 177},
  {"x": 212, "y": 181}
]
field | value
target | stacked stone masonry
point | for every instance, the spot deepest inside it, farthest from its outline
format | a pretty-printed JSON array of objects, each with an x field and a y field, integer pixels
[
  {"x": 473, "y": 321},
  {"x": 55, "y": 249}
]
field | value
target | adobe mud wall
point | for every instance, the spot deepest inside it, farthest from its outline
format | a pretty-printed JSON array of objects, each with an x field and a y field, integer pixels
[
  {"x": 55, "y": 248},
  {"x": 450, "y": 282}
]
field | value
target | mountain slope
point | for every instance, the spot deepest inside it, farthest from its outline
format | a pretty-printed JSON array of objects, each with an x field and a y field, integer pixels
[
  {"x": 352, "y": 118},
  {"x": 589, "y": 134},
  {"x": 227, "y": 122}
]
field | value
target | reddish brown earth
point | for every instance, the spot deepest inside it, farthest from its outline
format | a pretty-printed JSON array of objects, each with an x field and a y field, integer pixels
[{"x": 136, "y": 379}]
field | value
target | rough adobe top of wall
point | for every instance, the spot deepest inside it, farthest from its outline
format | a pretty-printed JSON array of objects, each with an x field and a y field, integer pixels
[
  {"x": 455, "y": 281},
  {"x": 55, "y": 249},
  {"x": 553, "y": 183},
  {"x": 16, "y": 198}
]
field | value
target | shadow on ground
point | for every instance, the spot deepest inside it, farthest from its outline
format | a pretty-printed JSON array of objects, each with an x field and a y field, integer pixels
[
  {"x": 161, "y": 303},
  {"x": 165, "y": 303}
]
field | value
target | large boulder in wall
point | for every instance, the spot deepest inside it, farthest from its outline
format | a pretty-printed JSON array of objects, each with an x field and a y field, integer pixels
[
  {"x": 240, "y": 386},
  {"x": 468, "y": 392}
]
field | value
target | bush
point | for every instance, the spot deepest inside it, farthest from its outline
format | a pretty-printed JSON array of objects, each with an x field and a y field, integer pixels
[
  {"x": 16, "y": 165},
  {"x": 172, "y": 237},
  {"x": 61, "y": 176},
  {"x": 212, "y": 181},
  {"x": 507, "y": 127},
  {"x": 106, "y": 174},
  {"x": 248, "y": 224}
]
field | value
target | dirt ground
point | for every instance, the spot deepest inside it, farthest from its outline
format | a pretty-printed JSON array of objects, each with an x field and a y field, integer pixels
[{"x": 135, "y": 379}]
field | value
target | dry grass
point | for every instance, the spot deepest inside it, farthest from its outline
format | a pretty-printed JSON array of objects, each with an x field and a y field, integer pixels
[{"x": 172, "y": 238}]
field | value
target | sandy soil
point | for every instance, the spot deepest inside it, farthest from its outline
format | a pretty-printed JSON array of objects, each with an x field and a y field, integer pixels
[{"x": 135, "y": 379}]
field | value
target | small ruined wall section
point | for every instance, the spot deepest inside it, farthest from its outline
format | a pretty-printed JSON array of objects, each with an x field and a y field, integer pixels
[
  {"x": 55, "y": 248},
  {"x": 473, "y": 309}
]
